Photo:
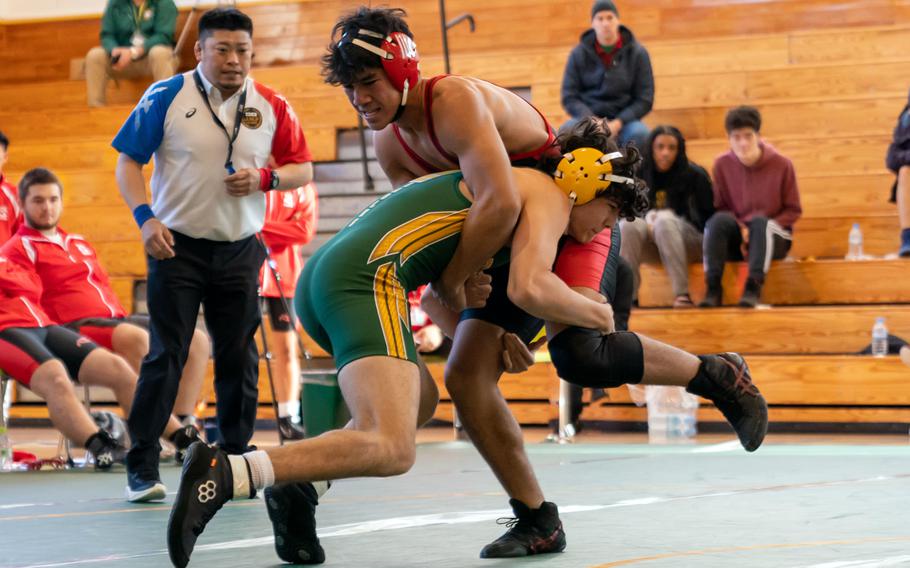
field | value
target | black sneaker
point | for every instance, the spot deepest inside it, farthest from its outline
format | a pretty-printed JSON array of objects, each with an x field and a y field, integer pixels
[
  {"x": 714, "y": 297},
  {"x": 724, "y": 379},
  {"x": 531, "y": 531},
  {"x": 289, "y": 430},
  {"x": 105, "y": 450},
  {"x": 292, "y": 510},
  {"x": 182, "y": 440},
  {"x": 751, "y": 294},
  {"x": 206, "y": 484},
  {"x": 143, "y": 488}
]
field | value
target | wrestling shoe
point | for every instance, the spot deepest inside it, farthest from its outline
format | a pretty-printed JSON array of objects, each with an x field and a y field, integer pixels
[
  {"x": 724, "y": 379},
  {"x": 105, "y": 450},
  {"x": 531, "y": 531},
  {"x": 182, "y": 440},
  {"x": 206, "y": 484},
  {"x": 292, "y": 510}
]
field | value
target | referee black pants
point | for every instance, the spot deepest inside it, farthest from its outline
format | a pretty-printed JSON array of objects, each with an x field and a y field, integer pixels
[{"x": 224, "y": 278}]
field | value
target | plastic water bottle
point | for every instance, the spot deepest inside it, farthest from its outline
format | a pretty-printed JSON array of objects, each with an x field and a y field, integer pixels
[
  {"x": 671, "y": 415},
  {"x": 855, "y": 243},
  {"x": 6, "y": 450},
  {"x": 879, "y": 338}
]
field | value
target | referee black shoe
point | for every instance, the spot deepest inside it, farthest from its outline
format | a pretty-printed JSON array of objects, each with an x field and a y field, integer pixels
[
  {"x": 182, "y": 440},
  {"x": 292, "y": 510},
  {"x": 531, "y": 531},
  {"x": 724, "y": 379},
  {"x": 290, "y": 430},
  {"x": 206, "y": 484}
]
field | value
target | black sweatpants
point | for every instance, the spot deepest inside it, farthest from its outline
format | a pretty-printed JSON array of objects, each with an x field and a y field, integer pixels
[
  {"x": 224, "y": 278},
  {"x": 767, "y": 241}
]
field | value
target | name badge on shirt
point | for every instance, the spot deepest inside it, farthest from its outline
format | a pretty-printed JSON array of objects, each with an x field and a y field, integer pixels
[{"x": 138, "y": 40}]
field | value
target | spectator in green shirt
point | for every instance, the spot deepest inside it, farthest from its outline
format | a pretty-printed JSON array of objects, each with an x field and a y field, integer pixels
[{"x": 137, "y": 39}]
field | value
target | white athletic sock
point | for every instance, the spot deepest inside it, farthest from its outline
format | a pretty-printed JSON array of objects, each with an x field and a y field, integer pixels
[
  {"x": 284, "y": 409},
  {"x": 294, "y": 411},
  {"x": 321, "y": 487},
  {"x": 241, "y": 475},
  {"x": 261, "y": 471}
]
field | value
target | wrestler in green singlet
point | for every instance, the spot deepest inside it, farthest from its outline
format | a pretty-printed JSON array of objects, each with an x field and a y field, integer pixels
[{"x": 352, "y": 295}]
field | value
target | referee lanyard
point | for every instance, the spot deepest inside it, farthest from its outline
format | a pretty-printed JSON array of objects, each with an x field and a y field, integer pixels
[{"x": 228, "y": 163}]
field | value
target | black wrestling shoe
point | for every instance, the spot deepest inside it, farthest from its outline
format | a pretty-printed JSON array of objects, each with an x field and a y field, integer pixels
[
  {"x": 531, "y": 531},
  {"x": 289, "y": 430},
  {"x": 724, "y": 379},
  {"x": 182, "y": 440},
  {"x": 105, "y": 450},
  {"x": 292, "y": 510},
  {"x": 206, "y": 484}
]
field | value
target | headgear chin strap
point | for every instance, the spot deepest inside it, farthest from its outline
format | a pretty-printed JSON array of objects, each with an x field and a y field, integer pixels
[
  {"x": 585, "y": 173},
  {"x": 398, "y": 54}
]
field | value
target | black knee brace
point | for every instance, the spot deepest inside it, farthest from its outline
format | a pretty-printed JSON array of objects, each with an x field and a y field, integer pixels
[{"x": 586, "y": 358}]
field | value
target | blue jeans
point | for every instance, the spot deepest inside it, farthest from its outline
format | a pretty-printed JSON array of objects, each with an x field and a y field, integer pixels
[{"x": 635, "y": 132}]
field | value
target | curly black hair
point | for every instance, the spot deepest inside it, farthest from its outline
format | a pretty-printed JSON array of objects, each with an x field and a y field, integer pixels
[
  {"x": 592, "y": 132},
  {"x": 345, "y": 61}
]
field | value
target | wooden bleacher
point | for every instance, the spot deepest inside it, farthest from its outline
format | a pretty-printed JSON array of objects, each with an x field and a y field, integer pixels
[{"x": 828, "y": 75}]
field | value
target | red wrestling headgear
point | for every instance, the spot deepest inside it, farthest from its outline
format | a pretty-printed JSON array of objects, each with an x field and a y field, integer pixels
[{"x": 398, "y": 53}]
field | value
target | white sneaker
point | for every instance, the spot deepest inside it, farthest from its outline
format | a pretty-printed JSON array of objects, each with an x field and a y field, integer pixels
[{"x": 147, "y": 492}]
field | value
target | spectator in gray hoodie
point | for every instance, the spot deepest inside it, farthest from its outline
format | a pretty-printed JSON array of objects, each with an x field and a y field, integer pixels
[
  {"x": 757, "y": 203},
  {"x": 609, "y": 75}
]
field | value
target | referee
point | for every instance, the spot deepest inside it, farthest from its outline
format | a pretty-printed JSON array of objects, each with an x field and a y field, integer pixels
[{"x": 211, "y": 131}]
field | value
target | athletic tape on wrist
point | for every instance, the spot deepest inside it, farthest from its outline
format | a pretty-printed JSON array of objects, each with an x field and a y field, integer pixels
[{"x": 143, "y": 213}]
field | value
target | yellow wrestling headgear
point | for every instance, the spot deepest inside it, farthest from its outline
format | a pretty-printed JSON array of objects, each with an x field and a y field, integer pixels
[{"x": 584, "y": 173}]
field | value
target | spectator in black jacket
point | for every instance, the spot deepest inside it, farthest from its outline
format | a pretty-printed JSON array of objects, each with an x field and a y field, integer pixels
[
  {"x": 682, "y": 201},
  {"x": 609, "y": 75},
  {"x": 898, "y": 161}
]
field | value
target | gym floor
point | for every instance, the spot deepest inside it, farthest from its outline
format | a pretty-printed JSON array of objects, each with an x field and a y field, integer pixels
[{"x": 800, "y": 501}]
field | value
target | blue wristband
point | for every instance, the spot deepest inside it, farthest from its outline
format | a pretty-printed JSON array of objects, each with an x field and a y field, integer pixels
[{"x": 143, "y": 213}]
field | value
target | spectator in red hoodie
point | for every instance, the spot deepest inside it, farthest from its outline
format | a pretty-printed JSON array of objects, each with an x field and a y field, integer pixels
[
  {"x": 757, "y": 204},
  {"x": 290, "y": 223},
  {"x": 10, "y": 215}
]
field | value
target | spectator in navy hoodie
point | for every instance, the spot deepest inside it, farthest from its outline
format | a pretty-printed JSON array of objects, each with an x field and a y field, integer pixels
[
  {"x": 898, "y": 161},
  {"x": 609, "y": 75},
  {"x": 757, "y": 203}
]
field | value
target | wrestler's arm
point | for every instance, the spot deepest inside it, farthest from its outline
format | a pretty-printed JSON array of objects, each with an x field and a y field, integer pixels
[
  {"x": 532, "y": 284},
  {"x": 472, "y": 135}
]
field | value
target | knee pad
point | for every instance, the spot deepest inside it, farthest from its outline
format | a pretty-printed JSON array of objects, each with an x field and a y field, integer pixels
[{"x": 586, "y": 358}]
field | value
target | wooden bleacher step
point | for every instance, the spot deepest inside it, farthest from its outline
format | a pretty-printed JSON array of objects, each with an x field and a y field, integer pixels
[
  {"x": 820, "y": 282},
  {"x": 774, "y": 331}
]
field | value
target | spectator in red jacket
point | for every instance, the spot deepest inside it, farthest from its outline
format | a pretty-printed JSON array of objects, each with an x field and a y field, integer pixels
[
  {"x": 290, "y": 223},
  {"x": 10, "y": 215},
  {"x": 75, "y": 290},
  {"x": 47, "y": 358},
  {"x": 757, "y": 204}
]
